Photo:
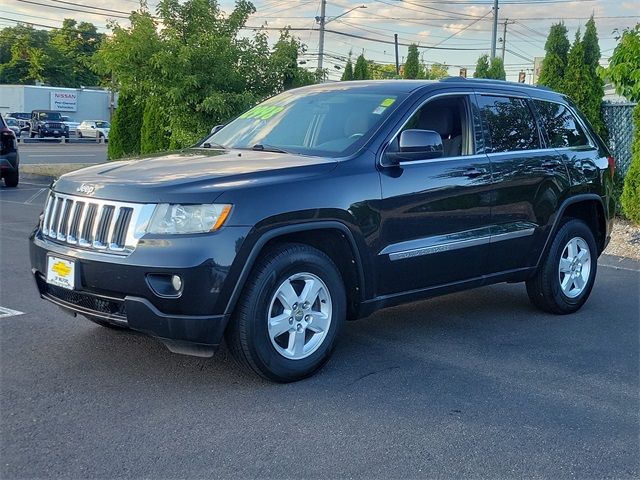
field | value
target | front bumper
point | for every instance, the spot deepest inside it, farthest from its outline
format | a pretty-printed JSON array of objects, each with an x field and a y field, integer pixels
[{"x": 119, "y": 290}]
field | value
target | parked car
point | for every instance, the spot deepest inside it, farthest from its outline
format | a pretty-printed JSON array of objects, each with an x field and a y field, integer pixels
[
  {"x": 325, "y": 204},
  {"x": 22, "y": 118},
  {"x": 47, "y": 123},
  {"x": 72, "y": 126},
  {"x": 9, "y": 157},
  {"x": 13, "y": 125},
  {"x": 94, "y": 129}
]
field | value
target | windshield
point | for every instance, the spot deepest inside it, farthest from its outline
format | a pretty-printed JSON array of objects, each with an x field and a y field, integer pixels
[
  {"x": 11, "y": 122},
  {"x": 102, "y": 124},
  {"x": 329, "y": 123},
  {"x": 50, "y": 116}
]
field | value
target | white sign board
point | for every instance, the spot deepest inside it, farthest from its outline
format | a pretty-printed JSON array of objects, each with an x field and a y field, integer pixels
[{"x": 64, "y": 101}]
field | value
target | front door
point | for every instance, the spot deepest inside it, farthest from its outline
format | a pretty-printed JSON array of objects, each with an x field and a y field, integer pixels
[{"x": 436, "y": 212}]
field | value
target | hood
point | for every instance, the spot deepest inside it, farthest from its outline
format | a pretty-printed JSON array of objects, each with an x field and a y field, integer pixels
[{"x": 191, "y": 176}]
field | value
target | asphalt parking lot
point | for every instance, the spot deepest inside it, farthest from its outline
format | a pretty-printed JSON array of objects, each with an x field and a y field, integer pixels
[
  {"x": 56, "y": 153},
  {"x": 477, "y": 384}
]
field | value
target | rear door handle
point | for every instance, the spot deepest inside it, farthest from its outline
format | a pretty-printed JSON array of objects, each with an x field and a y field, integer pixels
[
  {"x": 474, "y": 172},
  {"x": 551, "y": 164}
]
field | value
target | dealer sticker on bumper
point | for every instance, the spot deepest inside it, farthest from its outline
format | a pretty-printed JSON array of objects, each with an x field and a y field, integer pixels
[{"x": 61, "y": 272}]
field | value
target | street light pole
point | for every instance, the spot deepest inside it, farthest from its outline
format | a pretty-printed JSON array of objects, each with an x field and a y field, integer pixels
[
  {"x": 322, "y": 20},
  {"x": 495, "y": 29},
  {"x": 323, "y": 8}
]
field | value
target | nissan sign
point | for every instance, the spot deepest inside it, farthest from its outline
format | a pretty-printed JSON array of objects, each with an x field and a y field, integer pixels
[{"x": 64, "y": 101}]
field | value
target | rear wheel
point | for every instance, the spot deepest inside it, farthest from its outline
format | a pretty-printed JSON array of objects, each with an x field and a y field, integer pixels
[
  {"x": 288, "y": 318},
  {"x": 566, "y": 274},
  {"x": 11, "y": 179}
]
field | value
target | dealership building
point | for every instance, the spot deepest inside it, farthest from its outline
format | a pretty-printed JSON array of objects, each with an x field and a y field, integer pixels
[{"x": 77, "y": 103}]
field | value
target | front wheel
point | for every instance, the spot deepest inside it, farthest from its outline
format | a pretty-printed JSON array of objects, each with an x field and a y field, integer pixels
[
  {"x": 567, "y": 272},
  {"x": 11, "y": 179},
  {"x": 79, "y": 134},
  {"x": 288, "y": 318}
]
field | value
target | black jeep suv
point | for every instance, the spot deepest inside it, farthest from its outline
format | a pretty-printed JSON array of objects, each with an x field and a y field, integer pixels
[
  {"x": 326, "y": 203},
  {"x": 45, "y": 123}
]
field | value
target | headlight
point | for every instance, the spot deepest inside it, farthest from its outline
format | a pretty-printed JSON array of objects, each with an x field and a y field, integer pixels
[
  {"x": 177, "y": 219},
  {"x": 46, "y": 125}
]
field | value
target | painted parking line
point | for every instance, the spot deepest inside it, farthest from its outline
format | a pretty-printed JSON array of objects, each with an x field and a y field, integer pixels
[
  {"x": 35, "y": 195},
  {"x": 7, "y": 312},
  {"x": 63, "y": 155}
]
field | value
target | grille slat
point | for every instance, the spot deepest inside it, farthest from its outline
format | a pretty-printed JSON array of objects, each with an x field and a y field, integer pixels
[{"x": 93, "y": 224}]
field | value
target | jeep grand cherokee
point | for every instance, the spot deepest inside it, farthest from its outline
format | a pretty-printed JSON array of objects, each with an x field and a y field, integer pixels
[{"x": 325, "y": 204}]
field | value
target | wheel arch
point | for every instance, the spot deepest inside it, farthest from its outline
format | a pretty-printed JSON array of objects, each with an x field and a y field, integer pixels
[
  {"x": 337, "y": 241},
  {"x": 587, "y": 207}
]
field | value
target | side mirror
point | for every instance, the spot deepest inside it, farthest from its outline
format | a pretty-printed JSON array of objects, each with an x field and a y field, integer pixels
[
  {"x": 417, "y": 145},
  {"x": 216, "y": 129},
  {"x": 93, "y": 126}
]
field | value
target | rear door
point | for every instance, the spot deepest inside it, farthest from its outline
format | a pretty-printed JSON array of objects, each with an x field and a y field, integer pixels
[
  {"x": 435, "y": 213},
  {"x": 529, "y": 178}
]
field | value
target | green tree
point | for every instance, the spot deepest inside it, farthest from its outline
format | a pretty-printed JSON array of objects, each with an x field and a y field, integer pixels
[
  {"x": 486, "y": 69},
  {"x": 412, "y": 67},
  {"x": 576, "y": 77},
  {"x": 580, "y": 85},
  {"x": 496, "y": 70},
  {"x": 482, "y": 67},
  {"x": 436, "y": 71},
  {"x": 124, "y": 137},
  {"x": 361, "y": 70},
  {"x": 381, "y": 71},
  {"x": 593, "y": 106},
  {"x": 624, "y": 65},
  {"x": 347, "y": 74},
  {"x": 623, "y": 72},
  {"x": 154, "y": 133},
  {"x": 59, "y": 58},
  {"x": 556, "y": 57}
]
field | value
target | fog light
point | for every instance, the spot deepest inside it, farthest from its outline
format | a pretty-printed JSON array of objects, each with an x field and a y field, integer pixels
[{"x": 176, "y": 283}]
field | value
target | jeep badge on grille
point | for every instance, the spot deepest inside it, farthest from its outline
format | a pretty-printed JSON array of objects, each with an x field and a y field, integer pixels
[{"x": 86, "y": 188}]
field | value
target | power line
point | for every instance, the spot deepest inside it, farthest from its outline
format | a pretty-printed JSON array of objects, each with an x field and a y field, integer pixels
[
  {"x": 352, "y": 35},
  {"x": 70, "y": 9}
]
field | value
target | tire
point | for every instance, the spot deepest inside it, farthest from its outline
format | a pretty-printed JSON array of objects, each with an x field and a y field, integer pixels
[
  {"x": 545, "y": 288},
  {"x": 11, "y": 179},
  {"x": 32, "y": 134},
  {"x": 79, "y": 134},
  {"x": 253, "y": 340}
]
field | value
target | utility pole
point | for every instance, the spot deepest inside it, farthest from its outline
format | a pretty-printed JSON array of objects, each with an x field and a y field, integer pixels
[
  {"x": 504, "y": 38},
  {"x": 495, "y": 29},
  {"x": 323, "y": 8},
  {"x": 395, "y": 41}
]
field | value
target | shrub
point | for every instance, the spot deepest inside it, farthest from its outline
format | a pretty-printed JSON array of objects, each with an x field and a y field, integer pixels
[
  {"x": 124, "y": 136},
  {"x": 631, "y": 192},
  {"x": 155, "y": 122}
]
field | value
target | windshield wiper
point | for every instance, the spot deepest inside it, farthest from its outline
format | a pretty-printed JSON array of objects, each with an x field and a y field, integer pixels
[
  {"x": 213, "y": 145},
  {"x": 263, "y": 147}
]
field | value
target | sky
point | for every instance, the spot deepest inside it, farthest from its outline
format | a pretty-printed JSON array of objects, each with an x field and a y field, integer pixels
[{"x": 455, "y": 32}]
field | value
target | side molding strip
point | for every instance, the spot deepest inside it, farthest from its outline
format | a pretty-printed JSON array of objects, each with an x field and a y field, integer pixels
[{"x": 439, "y": 244}]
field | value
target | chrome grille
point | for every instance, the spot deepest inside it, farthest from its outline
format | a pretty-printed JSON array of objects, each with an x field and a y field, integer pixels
[{"x": 100, "y": 225}]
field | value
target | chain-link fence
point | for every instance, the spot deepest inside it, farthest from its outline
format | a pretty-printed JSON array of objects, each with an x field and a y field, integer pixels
[{"x": 619, "y": 120}]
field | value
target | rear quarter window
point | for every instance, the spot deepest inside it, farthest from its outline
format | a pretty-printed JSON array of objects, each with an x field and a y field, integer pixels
[
  {"x": 510, "y": 123},
  {"x": 560, "y": 125}
]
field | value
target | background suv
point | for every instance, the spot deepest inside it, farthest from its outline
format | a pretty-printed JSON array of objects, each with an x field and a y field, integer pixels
[
  {"x": 45, "y": 123},
  {"x": 325, "y": 204}
]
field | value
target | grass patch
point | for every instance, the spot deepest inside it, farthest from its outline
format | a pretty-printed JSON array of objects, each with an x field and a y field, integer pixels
[{"x": 52, "y": 170}]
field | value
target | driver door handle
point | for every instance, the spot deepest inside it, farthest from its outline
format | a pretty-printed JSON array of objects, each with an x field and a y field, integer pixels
[{"x": 474, "y": 172}]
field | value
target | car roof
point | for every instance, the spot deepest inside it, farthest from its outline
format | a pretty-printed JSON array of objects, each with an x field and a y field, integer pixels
[{"x": 409, "y": 86}]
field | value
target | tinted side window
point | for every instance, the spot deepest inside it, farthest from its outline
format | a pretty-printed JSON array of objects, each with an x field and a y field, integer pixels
[
  {"x": 510, "y": 122},
  {"x": 563, "y": 130}
]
